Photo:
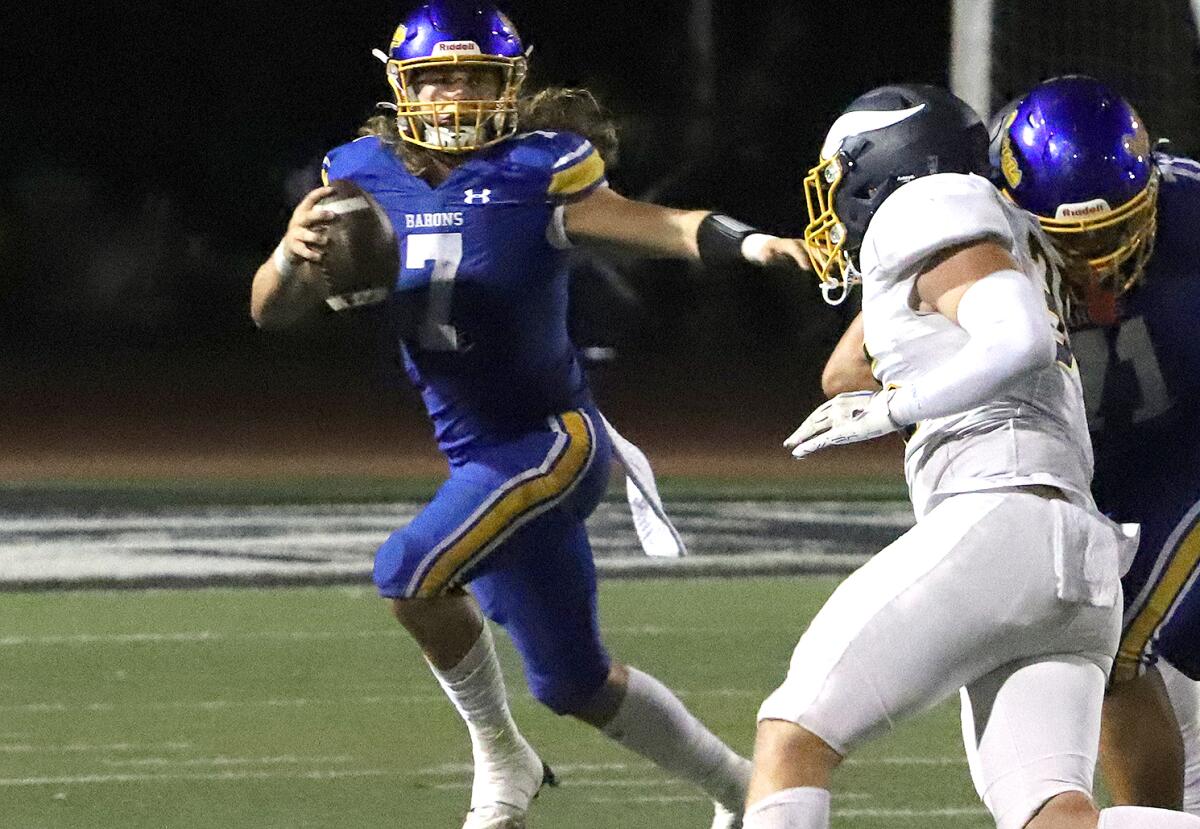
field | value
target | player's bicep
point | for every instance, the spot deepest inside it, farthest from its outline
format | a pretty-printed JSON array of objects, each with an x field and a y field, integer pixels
[
  {"x": 949, "y": 274},
  {"x": 596, "y": 216}
]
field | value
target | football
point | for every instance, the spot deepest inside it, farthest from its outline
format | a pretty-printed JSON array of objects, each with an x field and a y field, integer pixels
[{"x": 361, "y": 260}]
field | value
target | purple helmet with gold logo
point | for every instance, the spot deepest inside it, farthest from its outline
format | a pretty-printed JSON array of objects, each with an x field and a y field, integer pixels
[
  {"x": 1077, "y": 155},
  {"x": 456, "y": 34}
]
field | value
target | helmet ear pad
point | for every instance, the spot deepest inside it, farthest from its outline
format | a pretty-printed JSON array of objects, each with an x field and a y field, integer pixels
[{"x": 859, "y": 197}]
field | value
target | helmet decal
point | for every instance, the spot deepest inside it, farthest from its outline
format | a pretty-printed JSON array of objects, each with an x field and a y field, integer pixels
[
  {"x": 398, "y": 36},
  {"x": 1008, "y": 162},
  {"x": 457, "y": 47},
  {"x": 856, "y": 123},
  {"x": 1095, "y": 207}
]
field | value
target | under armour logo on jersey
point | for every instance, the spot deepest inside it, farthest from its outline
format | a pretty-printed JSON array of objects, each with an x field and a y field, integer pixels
[{"x": 482, "y": 197}]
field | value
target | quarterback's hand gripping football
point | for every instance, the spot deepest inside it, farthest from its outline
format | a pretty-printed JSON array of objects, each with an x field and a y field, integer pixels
[
  {"x": 307, "y": 233},
  {"x": 848, "y": 418}
]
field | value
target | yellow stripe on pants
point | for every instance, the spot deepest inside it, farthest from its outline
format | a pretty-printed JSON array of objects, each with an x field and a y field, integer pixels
[
  {"x": 1140, "y": 631},
  {"x": 515, "y": 507}
]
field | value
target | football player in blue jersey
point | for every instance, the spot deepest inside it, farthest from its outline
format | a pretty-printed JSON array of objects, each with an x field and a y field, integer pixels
[
  {"x": 487, "y": 189},
  {"x": 1075, "y": 154}
]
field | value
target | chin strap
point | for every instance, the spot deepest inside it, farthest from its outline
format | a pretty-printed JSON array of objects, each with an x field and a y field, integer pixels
[
  {"x": 849, "y": 278},
  {"x": 828, "y": 288}
]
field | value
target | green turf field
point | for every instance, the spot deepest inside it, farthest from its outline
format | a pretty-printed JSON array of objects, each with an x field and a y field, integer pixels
[{"x": 308, "y": 708}]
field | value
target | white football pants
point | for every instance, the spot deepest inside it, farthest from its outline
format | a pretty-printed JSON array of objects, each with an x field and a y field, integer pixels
[
  {"x": 971, "y": 597},
  {"x": 1185, "y": 700}
]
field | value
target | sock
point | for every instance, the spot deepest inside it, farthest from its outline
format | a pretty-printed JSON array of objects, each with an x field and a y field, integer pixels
[
  {"x": 1185, "y": 700},
  {"x": 654, "y": 723},
  {"x": 1142, "y": 817},
  {"x": 800, "y": 808},
  {"x": 507, "y": 769}
]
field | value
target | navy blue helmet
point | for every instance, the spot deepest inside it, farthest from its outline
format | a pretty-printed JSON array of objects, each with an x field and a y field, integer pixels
[
  {"x": 445, "y": 35},
  {"x": 886, "y": 137},
  {"x": 1075, "y": 154}
]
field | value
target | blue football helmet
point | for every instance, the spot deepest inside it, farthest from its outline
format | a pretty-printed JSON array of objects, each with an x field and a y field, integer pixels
[
  {"x": 1076, "y": 154},
  {"x": 452, "y": 34}
]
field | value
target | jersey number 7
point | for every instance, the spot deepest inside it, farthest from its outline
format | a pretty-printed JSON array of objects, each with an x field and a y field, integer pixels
[{"x": 445, "y": 250}]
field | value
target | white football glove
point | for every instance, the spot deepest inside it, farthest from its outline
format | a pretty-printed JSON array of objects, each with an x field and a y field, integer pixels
[{"x": 847, "y": 418}]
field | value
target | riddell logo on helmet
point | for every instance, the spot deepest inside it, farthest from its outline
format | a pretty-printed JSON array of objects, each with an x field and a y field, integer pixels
[
  {"x": 1082, "y": 210},
  {"x": 453, "y": 46}
]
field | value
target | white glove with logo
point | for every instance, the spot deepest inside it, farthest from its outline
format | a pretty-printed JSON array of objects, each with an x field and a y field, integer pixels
[{"x": 847, "y": 418}]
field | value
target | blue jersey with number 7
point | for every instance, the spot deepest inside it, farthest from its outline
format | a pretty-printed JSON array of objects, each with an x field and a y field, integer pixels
[{"x": 480, "y": 303}]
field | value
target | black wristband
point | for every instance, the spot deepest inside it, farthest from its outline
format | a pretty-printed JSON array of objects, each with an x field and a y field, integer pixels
[{"x": 719, "y": 239}]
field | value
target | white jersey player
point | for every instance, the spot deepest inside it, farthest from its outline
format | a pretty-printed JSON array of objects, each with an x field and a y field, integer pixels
[
  {"x": 1031, "y": 429},
  {"x": 1008, "y": 585}
]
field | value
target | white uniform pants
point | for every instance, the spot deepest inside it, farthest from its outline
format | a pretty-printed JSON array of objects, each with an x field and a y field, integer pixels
[{"x": 972, "y": 597}]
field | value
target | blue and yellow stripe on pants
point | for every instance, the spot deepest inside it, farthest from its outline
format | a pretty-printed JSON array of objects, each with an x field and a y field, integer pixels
[
  {"x": 514, "y": 504},
  {"x": 1160, "y": 598}
]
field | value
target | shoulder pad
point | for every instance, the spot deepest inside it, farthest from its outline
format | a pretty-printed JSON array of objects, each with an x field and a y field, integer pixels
[
  {"x": 344, "y": 160},
  {"x": 573, "y": 165},
  {"x": 927, "y": 215}
]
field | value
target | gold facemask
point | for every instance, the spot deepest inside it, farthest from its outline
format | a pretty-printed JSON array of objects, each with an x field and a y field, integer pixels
[
  {"x": 825, "y": 236},
  {"x": 1116, "y": 244},
  {"x": 456, "y": 126}
]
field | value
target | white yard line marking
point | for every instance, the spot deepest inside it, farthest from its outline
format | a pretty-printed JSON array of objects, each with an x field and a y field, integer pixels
[
  {"x": 275, "y": 543},
  {"x": 695, "y": 798},
  {"x": 292, "y": 702},
  {"x": 221, "y": 761},
  {"x": 234, "y": 520},
  {"x": 224, "y": 776},
  {"x": 907, "y": 761},
  {"x": 445, "y": 769},
  {"x": 186, "y": 637},
  {"x": 952, "y": 811},
  {"x": 215, "y": 704},
  {"x": 682, "y": 798},
  {"x": 194, "y": 636},
  {"x": 662, "y": 782},
  {"x": 80, "y": 748}
]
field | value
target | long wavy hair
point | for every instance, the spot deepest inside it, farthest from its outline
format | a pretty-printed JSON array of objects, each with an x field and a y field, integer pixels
[{"x": 556, "y": 108}]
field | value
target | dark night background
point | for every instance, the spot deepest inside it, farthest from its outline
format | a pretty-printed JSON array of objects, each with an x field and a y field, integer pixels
[{"x": 153, "y": 154}]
